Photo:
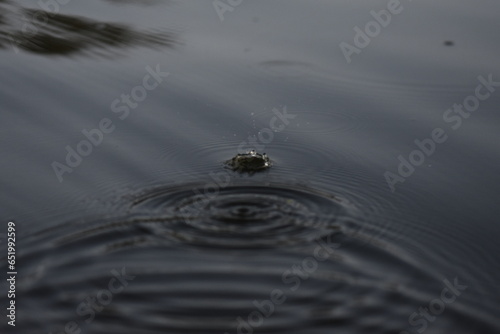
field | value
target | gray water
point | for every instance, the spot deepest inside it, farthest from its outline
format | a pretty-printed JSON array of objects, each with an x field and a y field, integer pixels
[{"x": 379, "y": 213}]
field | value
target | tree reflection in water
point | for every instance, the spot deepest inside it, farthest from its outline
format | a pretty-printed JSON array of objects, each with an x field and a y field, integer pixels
[{"x": 48, "y": 33}]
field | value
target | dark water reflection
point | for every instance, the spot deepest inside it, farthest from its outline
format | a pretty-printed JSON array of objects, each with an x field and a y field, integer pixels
[
  {"x": 149, "y": 233},
  {"x": 53, "y": 33}
]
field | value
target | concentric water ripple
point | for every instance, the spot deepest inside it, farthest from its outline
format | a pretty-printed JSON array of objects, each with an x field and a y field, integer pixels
[
  {"x": 173, "y": 289},
  {"x": 241, "y": 216},
  {"x": 201, "y": 259}
]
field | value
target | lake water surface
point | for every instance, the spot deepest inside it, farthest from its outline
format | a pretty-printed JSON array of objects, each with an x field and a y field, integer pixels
[{"x": 379, "y": 213}]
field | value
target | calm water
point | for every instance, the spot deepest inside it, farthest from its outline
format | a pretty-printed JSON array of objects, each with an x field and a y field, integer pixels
[{"x": 379, "y": 214}]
